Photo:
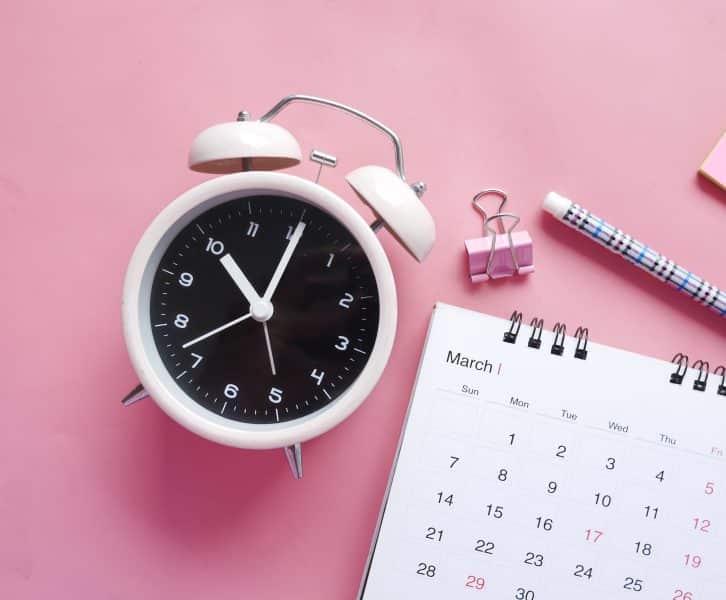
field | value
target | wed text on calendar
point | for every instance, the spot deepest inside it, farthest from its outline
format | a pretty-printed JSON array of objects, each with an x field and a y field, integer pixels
[{"x": 528, "y": 476}]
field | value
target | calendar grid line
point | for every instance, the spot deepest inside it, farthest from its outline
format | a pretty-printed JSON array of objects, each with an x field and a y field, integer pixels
[
  {"x": 519, "y": 409},
  {"x": 619, "y": 434},
  {"x": 556, "y": 418},
  {"x": 658, "y": 444}
]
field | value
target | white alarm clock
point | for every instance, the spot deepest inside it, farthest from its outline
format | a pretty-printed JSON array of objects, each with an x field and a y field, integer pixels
[{"x": 259, "y": 308}]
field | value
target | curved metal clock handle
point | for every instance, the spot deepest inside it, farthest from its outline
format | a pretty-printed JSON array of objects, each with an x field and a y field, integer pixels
[{"x": 275, "y": 110}]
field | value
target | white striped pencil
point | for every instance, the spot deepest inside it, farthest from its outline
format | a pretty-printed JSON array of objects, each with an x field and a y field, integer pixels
[{"x": 636, "y": 252}]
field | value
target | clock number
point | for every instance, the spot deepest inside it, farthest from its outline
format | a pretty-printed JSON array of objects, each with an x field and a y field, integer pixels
[
  {"x": 214, "y": 246},
  {"x": 330, "y": 260},
  {"x": 231, "y": 390},
  {"x": 181, "y": 321},
  {"x": 275, "y": 395},
  {"x": 342, "y": 343},
  {"x": 197, "y": 359},
  {"x": 346, "y": 300},
  {"x": 186, "y": 279},
  {"x": 290, "y": 229},
  {"x": 318, "y": 376},
  {"x": 252, "y": 229}
]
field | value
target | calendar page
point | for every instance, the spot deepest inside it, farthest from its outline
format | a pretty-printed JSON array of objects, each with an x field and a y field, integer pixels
[{"x": 525, "y": 475}]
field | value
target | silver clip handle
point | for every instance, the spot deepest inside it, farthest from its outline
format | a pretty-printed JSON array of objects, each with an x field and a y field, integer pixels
[
  {"x": 478, "y": 207},
  {"x": 508, "y": 231},
  {"x": 275, "y": 110}
]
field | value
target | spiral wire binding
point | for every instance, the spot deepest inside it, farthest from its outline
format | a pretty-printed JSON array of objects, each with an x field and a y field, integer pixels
[
  {"x": 702, "y": 380},
  {"x": 558, "y": 344},
  {"x": 515, "y": 324},
  {"x": 722, "y": 386},
  {"x": 700, "y": 384},
  {"x": 535, "y": 340},
  {"x": 582, "y": 335},
  {"x": 681, "y": 360}
]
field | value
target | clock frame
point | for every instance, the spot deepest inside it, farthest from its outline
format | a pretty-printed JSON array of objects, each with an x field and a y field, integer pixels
[{"x": 159, "y": 383}]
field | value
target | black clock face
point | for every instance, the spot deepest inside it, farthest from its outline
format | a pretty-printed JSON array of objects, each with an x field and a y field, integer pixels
[{"x": 264, "y": 309}]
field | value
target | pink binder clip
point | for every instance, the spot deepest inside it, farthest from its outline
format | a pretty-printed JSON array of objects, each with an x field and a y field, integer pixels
[{"x": 500, "y": 254}]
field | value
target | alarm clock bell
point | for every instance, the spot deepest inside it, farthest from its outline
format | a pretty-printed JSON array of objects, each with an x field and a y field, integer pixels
[{"x": 245, "y": 145}]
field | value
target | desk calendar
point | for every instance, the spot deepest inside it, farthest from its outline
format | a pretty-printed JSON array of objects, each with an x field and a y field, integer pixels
[{"x": 524, "y": 473}]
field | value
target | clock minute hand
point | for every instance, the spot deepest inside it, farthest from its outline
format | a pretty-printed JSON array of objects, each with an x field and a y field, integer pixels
[
  {"x": 282, "y": 265},
  {"x": 240, "y": 279},
  {"x": 227, "y": 325}
]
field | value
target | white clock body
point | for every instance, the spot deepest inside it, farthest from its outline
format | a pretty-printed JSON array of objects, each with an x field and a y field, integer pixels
[{"x": 137, "y": 322}]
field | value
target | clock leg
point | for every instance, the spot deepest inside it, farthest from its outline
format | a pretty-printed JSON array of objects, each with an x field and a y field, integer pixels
[
  {"x": 138, "y": 393},
  {"x": 294, "y": 459}
]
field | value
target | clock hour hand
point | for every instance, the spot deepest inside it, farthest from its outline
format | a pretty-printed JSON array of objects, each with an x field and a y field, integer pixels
[
  {"x": 244, "y": 285},
  {"x": 282, "y": 265},
  {"x": 231, "y": 323}
]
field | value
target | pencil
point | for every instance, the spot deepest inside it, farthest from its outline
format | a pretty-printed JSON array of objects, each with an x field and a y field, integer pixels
[{"x": 636, "y": 252}]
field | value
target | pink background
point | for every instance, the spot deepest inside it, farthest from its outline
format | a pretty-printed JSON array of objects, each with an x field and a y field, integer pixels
[{"x": 614, "y": 104}]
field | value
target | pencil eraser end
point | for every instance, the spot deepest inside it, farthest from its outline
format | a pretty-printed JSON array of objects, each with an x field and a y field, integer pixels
[
  {"x": 714, "y": 167},
  {"x": 556, "y": 205}
]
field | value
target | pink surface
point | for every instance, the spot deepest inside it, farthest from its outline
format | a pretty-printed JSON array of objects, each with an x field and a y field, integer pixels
[
  {"x": 612, "y": 104},
  {"x": 714, "y": 167}
]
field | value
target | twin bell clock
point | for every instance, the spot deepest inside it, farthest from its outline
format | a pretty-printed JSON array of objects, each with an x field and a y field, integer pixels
[{"x": 259, "y": 308}]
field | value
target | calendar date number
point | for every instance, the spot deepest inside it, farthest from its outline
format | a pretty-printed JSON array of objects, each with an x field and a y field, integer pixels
[
  {"x": 478, "y": 583},
  {"x": 632, "y": 584},
  {"x": 536, "y": 560},
  {"x": 583, "y": 572}
]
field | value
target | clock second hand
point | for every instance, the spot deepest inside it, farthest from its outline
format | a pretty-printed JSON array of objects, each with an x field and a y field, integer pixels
[{"x": 217, "y": 330}]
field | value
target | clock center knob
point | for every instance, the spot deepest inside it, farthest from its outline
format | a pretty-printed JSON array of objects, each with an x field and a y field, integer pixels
[{"x": 262, "y": 310}]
